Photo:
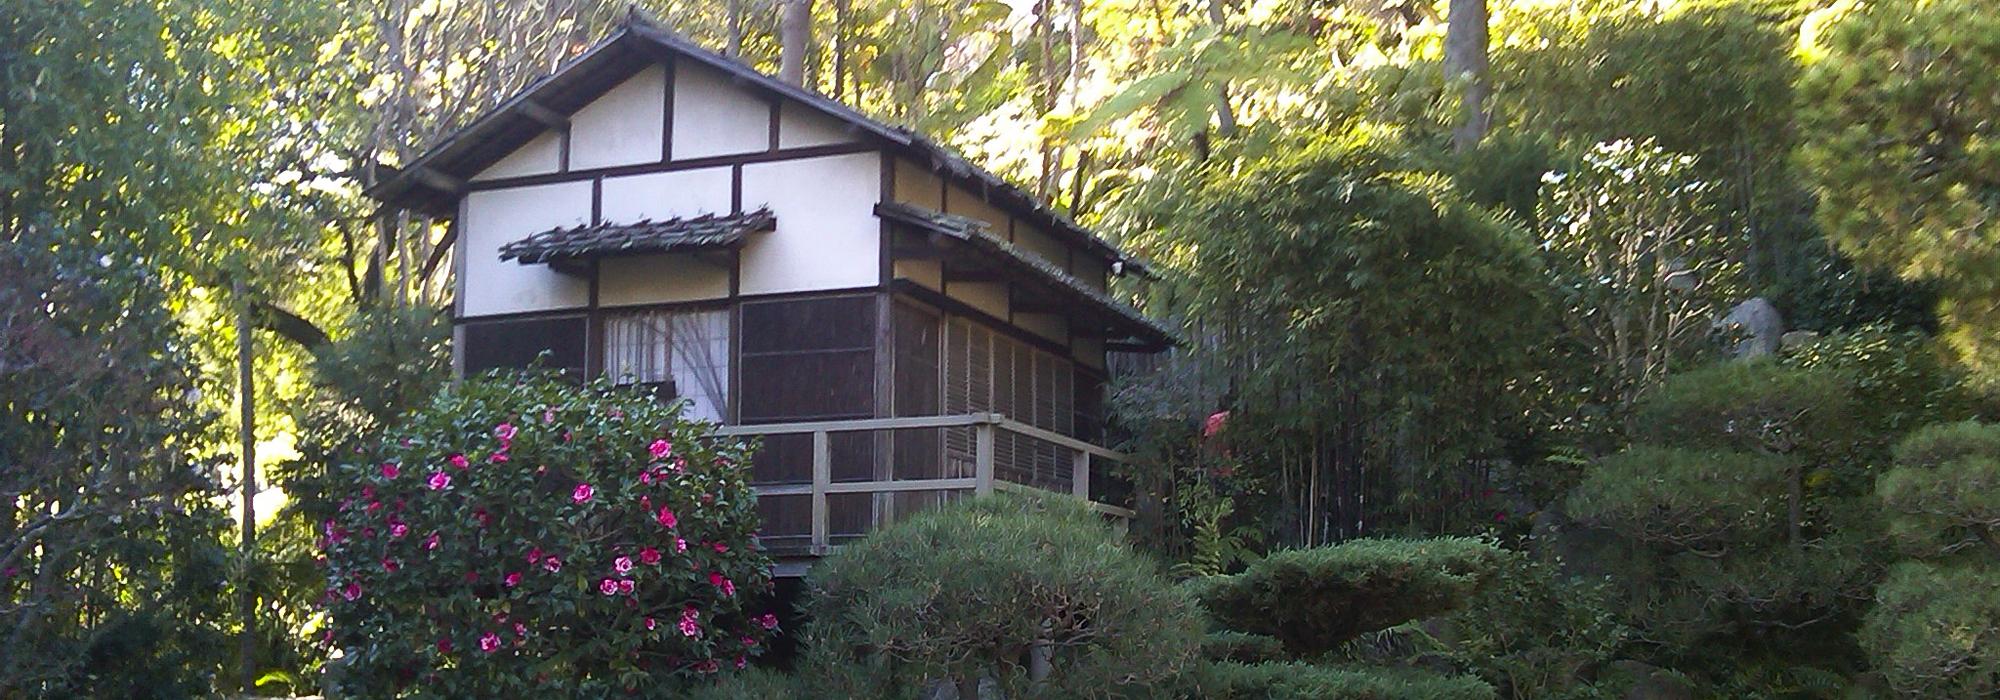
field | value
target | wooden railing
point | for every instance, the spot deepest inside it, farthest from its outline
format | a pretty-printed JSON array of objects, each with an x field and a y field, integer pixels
[{"x": 985, "y": 426}]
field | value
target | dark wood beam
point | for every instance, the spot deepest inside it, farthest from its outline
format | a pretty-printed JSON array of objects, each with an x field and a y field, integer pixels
[
  {"x": 541, "y": 113},
  {"x": 438, "y": 180}
]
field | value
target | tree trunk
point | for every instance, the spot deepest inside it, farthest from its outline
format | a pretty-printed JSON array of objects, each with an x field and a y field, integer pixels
[
  {"x": 735, "y": 40},
  {"x": 247, "y": 431},
  {"x": 1225, "y": 115},
  {"x": 1465, "y": 60},
  {"x": 795, "y": 38}
]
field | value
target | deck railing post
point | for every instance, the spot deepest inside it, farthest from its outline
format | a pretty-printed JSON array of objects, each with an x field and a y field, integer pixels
[
  {"x": 1079, "y": 475},
  {"x": 982, "y": 456},
  {"x": 822, "y": 467}
]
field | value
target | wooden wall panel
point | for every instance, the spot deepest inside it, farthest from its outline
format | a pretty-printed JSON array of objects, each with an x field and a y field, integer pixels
[{"x": 517, "y": 342}]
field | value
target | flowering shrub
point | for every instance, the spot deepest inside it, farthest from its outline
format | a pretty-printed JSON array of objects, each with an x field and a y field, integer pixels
[{"x": 525, "y": 537}]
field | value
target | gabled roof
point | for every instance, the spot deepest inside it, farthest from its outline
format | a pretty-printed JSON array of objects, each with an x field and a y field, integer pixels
[
  {"x": 560, "y": 246},
  {"x": 435, "y": 179},
  {"x": 1146, "y": 334}
]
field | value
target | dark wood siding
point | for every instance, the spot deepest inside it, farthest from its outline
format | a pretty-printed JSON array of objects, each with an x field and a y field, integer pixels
[
  {"x": 808, "y": 359},
  {"x": 516, "y": 343},
  {"x": 919, "y": 453}
]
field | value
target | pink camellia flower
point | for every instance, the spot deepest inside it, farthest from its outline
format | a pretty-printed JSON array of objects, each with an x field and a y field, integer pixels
[
  {"x": 646, "y": 477},
  {"x": 482, "y": 517},
  {"x": 667, "y": 518},
  {"x": 397, "y": 530},
  {"x": 649, "y": 556},
  {"x": 716, "y": 579},
  {"x": 504, "y": 431},
  {"x": 769, "y": 621},
  {"x": 553, "y": 563},
  {"x": 607, "y": 587},
  {"x": 431, "y": 542},
  {"x": 444, "y": 646},
  {"x": 390, "y": 470},
  {"x": 660, "y": 449},
  {"x": 499, "y": 457},
  {"x": 368, "y": 492},
  {"x": 690, "y": 624},
  {"x": 680, "y": 545},
  {"x": 458, "y": 459},
  {"x": 747, "y": 641},
  {"x": 513, "y": 579},
  {"x": 719, "y": 547},
  {"x": 489, "y": 642},
  {"x": 367, "y": 533},
  {"x": 390, "y": 565},
  {"x": 440, "y": 481},
  {"x": 534, "y": 554},
  {"x": 351, "y": 591},
  {"x": 649, "y": 623},
  {"x": 520, "y": 630},
  {"x": 582, "y": 493},
  {"x": 548, "y": 415},
  {"x": 741, "y": 662},
  {"x": 622, "y": 565},
  {"x": 626, "y": 586},
  {"x": 373, "y": 506}
]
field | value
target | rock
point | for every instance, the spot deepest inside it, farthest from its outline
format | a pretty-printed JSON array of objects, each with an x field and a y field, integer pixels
[{"x": 1756, "y": 327}]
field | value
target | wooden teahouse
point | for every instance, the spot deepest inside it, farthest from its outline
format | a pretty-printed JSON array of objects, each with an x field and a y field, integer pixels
[{"x": 897, "y": 324}]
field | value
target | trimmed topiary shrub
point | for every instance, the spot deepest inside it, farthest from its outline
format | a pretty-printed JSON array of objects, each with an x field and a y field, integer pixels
[
  {"x": 966, "y": 593},
  {"x": 526, "y": 537},
  {"x": 1298, "y": 681},
  {"x": 1315, "y": 600},
  {"x": 1242, "y": 647}
]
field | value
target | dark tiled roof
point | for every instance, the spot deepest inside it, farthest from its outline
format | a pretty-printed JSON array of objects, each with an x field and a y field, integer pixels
[
  {"x": 708, "y": 231},
  {"x": 973, "y": 232}
]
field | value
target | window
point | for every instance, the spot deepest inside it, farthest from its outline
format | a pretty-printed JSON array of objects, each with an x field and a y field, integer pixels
[{"x": 687, "y": 352}]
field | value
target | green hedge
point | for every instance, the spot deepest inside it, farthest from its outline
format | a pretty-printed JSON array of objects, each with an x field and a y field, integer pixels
[{"x": 1298, "y": 681}]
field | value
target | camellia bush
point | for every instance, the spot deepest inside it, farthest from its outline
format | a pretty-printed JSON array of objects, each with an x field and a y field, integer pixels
[{"x": 523, "y": 537}]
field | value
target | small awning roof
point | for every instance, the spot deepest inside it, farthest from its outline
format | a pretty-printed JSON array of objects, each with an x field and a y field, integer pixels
[
  {"x": 563, "y": 248},
  {"x": 1046, "y": 277}
]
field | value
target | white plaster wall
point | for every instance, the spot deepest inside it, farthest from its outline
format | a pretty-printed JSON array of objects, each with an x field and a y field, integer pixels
[
  {"x": 623, "y": 127},
  {"x": 1087, "y": 351},
  {"x": 713, "y": 117},
  {"x": 916, "y": 184},
  {"x": 1049, "y": 326},
  {"x": 800, "y": 126},
  {"x": 540, "y": 155},
  {"x": 667, "y": 195},
  {"x": 827, "y": 237},
  {"x": 1029, "y": 238},
  {"x": 963, "y": 203},
  {"x": 489, "y": 285},
  {"x": 990, "y": 297},
  {"x": 659, "y": 279},
  {"x": 929, "y": 273}
]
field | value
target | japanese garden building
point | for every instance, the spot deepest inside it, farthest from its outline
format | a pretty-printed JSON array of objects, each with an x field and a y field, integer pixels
[{"x": 894, "y": 323}]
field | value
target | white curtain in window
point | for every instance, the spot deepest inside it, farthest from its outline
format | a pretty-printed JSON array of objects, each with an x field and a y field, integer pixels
[{"x": 689, "y": 348}]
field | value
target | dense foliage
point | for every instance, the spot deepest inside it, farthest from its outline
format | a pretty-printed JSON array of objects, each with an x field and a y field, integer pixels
[
  {"x": 110, "y": 534},
  {"x": 1395, "y": 330},
  {"x": 523, "y": 536},
  {"x": 975, "y": 591}
]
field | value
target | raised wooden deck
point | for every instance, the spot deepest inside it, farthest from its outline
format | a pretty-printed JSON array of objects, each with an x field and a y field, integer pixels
[{"x": 1036, "y": 460}]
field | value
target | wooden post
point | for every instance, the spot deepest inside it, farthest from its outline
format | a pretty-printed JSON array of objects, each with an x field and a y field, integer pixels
[
  {"x": 822, "y": 478},
  {"x": 983, "y": 459},
  {"x": 1079, "y": 474}
]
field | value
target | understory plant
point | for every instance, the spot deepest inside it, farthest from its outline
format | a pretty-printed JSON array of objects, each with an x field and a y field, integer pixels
[
  {"x": 987, "y": 592},
  {"x": 523, "y": 536}
]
